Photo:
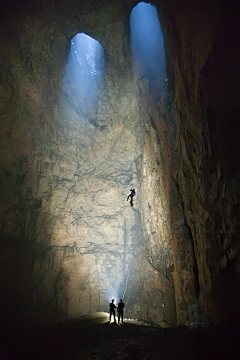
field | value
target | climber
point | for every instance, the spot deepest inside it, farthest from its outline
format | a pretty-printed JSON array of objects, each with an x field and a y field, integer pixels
[
  {"x": 112, "y": 310},
  {"x": 133, "y": 192},
  {"x": 130, "y": 196}
]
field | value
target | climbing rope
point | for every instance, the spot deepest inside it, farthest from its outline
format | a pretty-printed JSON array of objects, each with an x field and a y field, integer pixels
[{"x": 126, "y": 284}]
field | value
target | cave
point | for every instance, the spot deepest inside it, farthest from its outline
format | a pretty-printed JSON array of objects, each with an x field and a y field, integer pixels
[{"x": 97, "y": 98}]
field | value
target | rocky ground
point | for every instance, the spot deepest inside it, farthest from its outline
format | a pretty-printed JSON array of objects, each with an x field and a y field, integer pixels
[{"x": 93, "y": 337}]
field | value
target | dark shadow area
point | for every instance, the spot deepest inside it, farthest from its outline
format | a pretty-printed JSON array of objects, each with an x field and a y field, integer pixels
[
  {"x": 20, "y": 292},
  {"x": 221, "y": 82},
  {"x": 92, "y": 337}
]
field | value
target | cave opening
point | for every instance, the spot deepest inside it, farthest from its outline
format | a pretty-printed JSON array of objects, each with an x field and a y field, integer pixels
[
  {"x": 147, "y": 46},
  {"x": 84, "y": 75}
]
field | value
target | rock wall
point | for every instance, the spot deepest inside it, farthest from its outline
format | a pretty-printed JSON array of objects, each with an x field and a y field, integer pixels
[
  {"x": 70, "y": 241},
  {"x": 156, "y": 224},
  {"x": 202, "y": 176},
  {"x": 196, "y": 124}
]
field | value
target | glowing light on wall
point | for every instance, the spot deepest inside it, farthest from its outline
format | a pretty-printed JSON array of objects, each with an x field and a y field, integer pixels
[
  {"x": 147, "y": 45},
  {"x": 84, "y": 76}
]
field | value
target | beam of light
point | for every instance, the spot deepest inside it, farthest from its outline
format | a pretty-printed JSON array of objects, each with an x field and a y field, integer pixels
[
  {"x": 147, "y": 45},
  {"x": 84, "y": 75}
]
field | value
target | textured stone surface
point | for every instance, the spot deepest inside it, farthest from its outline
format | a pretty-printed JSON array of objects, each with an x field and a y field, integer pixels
[
  {"x": 69, "y": 241},
  {"x": 67, "y": 176},
  {"x": 203, "y": 172}
]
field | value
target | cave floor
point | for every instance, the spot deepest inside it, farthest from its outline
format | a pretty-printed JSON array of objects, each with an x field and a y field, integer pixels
[{"x": 94, "y": 338}]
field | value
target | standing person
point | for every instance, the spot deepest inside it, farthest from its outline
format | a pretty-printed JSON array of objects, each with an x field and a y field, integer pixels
[
  {"x": 120, "y": 310},
  {"x": 112, "y": 310}
]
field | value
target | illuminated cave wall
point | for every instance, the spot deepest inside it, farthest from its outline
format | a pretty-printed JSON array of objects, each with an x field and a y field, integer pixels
[{"x": 69, "y": 241}]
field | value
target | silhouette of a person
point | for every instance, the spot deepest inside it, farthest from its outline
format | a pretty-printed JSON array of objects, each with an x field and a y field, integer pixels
[
  {"x": 120, "y": 310},
  {"x": 112, "y": 310}
]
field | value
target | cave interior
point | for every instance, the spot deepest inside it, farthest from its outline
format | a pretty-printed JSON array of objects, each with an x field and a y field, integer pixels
[{"x": 97, "y": 98}]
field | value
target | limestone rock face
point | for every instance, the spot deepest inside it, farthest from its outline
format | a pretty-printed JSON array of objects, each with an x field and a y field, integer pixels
[
  {"x": 66, "y": 226},
  {"x": 202, "y": 176},
  {"x": 155, "y": 218},
  {"x": 69, "y": 240}
]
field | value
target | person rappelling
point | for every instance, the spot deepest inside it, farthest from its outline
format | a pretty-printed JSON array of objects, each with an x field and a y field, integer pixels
[{"x": 130, "y": 196}]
